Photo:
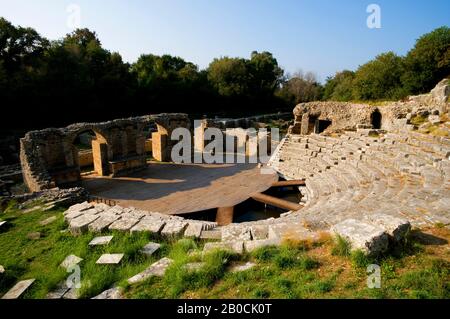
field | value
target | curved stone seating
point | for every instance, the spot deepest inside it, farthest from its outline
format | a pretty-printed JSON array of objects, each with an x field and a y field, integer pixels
[
  {"x": 349, "y": 179},
  {"x": 403, "y": 175}
]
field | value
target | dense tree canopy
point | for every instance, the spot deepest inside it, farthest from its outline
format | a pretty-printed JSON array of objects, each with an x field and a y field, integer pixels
[
  {"x": 379, "y": 78},
  {"x": 229, "y": 76},
  {"x": 428, "y": 62},
  {"x": 339, "y": 87},
  {"x": 76, "y": 79},
  {"x": 390, "y": 77}
]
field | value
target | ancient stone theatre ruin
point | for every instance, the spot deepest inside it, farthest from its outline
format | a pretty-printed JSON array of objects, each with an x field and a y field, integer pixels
[
  {"x": 49, "y": 157},
  {"x": 367, "y": 173}
]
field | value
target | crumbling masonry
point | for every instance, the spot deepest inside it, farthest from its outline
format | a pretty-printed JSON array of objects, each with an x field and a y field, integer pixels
[{"x": 49, "y": 157}]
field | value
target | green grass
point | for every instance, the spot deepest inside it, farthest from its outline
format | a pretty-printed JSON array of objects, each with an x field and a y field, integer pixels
[
  {"x": 40, "y": 259},
  {"x": 324, "y": 270},
  {"x": 418, "y": 120},
  {"x": 341, "y": 247}
]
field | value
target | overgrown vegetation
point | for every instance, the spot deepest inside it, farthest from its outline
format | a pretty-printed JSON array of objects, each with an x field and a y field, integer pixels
[{"x": 418, "y": 268}]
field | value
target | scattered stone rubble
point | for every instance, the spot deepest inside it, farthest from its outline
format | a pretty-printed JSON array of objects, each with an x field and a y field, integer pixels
[
  {"x": 48, "y": 198},
  {"x": 110, "y": 259},
  {"x": 96, "y": 217}
]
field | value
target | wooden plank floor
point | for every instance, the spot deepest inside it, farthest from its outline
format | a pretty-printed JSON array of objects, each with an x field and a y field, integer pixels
[{"x": 182, "y": 188}]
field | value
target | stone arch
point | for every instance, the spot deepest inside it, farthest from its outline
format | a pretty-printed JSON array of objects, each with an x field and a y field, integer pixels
[
  {"x": 376, "y": 119},
  {"x": 99, "y": 151},
  {"x": 49, "y": 158}
]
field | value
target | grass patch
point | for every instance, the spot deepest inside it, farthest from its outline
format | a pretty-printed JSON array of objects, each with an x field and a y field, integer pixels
[
  {"x": 418, "y": 120},
  {"x": 326, "y": 269},
  {"x": 341, "y": 247}
]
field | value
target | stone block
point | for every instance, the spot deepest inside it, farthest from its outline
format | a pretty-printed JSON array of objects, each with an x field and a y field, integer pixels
[
  {"x": 252, "y": 245},
  {"x": 233, "y": 246},
  {"x": 79, "y": 207},
  {"x": 104, "y": 220},
  {"x": 295, "y": 231},
  {"x": 124, "y": 223},
  {"x": 259, "y": 232},
  {"x": 112, "y": 294},
  {"x": 80, "y": 224},
  {"x": 369, "y": 238},
  {"x": 157, "y": 269},
  {"x": 211, "y": 234},
  {"x": 109, "y": 259},
  {"x": 174, "y": 228},
  {"x": 194, "y": 229},
  {"x": 18, "y": 289},
  {"x": 100, "y": 241},
  {"x": 150, "y": 248},
  {"x": 396, "y": 228},
  {"x": 72, "y": 215},
  {"x": 236, "y": 232},
  {"x": 72, "y": 294},
  {"x": 149, "y": 224},
  {"x": 34, "y": 235},
  {"x": 101, "y": 207},
  {"x": 59, "y": 292}
]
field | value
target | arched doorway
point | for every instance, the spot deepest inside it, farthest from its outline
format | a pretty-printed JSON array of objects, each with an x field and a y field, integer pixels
[
  {"x": 148, "y": 133},
  {"x": 321, "y": 125},
  {"x": 90, "y": 152},
  {"x": 83, "y": 144},
  {"x": 375, "y": 119}
]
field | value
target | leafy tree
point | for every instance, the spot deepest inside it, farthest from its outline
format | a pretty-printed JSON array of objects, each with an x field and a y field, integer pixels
[
  {"x": 428, "y": 62},
  {"x": 339, "y": 87},
  {"x": 265, "y": 74},
  {"x": 20, "y": 48},
  {"x": 151, "y": 69},
  {"x": 229, "y": 76},
  {"x": 167, "y": 81},
  {"x": 379, "y": 78},
  {"x": 301, "y": 88}
]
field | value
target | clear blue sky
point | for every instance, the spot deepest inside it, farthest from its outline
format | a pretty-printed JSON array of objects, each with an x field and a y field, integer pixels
[{"x": 323, "y": 36}]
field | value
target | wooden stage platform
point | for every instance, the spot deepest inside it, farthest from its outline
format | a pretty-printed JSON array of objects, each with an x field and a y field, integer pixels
[{"x": 182, "y": 188}]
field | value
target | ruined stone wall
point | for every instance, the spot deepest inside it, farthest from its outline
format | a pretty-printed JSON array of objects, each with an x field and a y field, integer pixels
[
  {"x": 49, "y": 157},
  {"x": 349, "y": 116},
  {"x": 343, "y": 116}
]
